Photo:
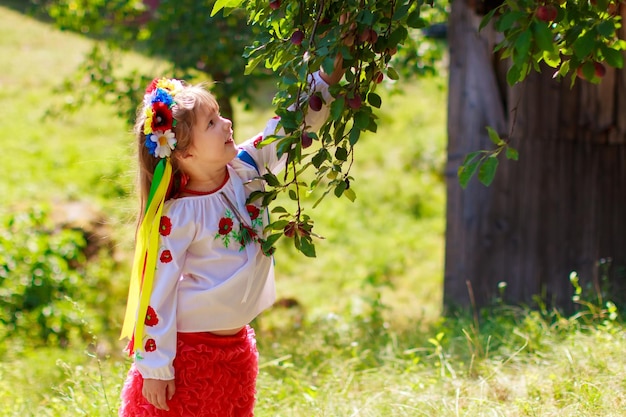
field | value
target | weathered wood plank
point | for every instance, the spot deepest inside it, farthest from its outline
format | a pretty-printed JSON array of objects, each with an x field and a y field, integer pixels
[{"x": 560, "y": 208}]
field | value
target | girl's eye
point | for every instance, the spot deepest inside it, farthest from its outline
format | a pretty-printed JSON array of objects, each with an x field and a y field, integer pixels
[{"x": 211, "y": 123}]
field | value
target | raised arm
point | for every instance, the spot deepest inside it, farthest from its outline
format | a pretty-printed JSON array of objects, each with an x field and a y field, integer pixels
[{"x": 337, "y": 73}]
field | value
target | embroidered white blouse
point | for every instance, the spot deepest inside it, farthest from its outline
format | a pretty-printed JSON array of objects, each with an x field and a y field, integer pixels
[{"x": 209, "y": 277}]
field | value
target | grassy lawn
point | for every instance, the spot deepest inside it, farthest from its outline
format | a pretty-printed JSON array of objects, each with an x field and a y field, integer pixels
[{"x": 366, "y": 338}]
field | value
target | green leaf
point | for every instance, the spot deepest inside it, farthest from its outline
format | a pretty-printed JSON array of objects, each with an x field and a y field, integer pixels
[
  {"x": 375, "y": 100},
  {"x": 401, "y": 12},
  {"x": 613, "y": 57},
  {"x": 606, "y": 28},
  {"x": 307, "y": 247},
  {"x": 372, "y": 126},
  {"x": 271, "y": 180},
  {"x": 513, "y": 74},
  {"x": 340, "y": 188},
  {"x": 486, "y": 19},
  {"x": 340, "y": 128},
  {"x": 511, "y": 153},
  {"x": 487, "y": 170},
  {"x": 398, "y": 35},
  {"x": 471, "y": 157},
  {"x": 271, "y": 239},
  {"x": 543, "y": 36},
  {"x": 319, "y": 158},
  {"x": 336, "y": 108},
  {"x": 468, "y": 168},
  {"x": 350, "y": 194},
  {"x": 414, "y": 20},
  {"x": 564, "y": 68},
  {"x": 279, "y": 209},
  {"x": 221, "y": 4},
  {"x": 552, "y": 58},
  {"x": 254, "y": 195},
  {"x": 341, "y": 154},
  {"x": 252, "y": 64},
  {"x": 361, "y": 119},
  {"x": 392, "y": 73},
  {"x": 508, "y": 20},
  {"x": 493, "y": 135},
  {"x": 289, "y": 120},
  {"x": 279, "y": 224},
  {"x": 354, "y": 136},
  {"x": 366, "y": 17},
  {"x": 584, "y": 45},
  {"x": 268, "y": 197},
  {"x": 522, "y": 47}
]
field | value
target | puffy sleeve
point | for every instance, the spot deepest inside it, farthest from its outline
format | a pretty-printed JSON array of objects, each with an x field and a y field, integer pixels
[
  {"x": 155, "y": 359},
  {"x": 265, "y": 157}
]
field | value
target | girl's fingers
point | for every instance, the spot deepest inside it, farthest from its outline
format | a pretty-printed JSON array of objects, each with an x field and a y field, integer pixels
[
  {"x": 171, "y": 389},
  {"x": 157, "y": 392}
]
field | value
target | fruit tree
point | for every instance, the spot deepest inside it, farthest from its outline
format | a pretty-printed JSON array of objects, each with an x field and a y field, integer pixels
[{"x": 541, "y": 77}]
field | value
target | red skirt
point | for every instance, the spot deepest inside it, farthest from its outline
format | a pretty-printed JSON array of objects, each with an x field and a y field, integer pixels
[{"x": 215, "y": 376}]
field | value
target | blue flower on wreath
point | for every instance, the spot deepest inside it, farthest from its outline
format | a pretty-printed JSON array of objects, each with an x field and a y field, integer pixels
[
  {"x": 151, "y": 145},
  {"x": 163, "y": 96}
]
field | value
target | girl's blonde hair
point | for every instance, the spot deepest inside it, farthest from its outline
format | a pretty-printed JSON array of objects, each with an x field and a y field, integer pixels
[{"x": 188, "y": 102}]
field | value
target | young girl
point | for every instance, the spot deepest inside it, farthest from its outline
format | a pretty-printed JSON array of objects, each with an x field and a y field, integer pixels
[{"x": 200, "y": 275}]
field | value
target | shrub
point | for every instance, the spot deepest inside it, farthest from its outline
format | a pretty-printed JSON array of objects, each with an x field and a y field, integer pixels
[{"x": 42, "y": 273}]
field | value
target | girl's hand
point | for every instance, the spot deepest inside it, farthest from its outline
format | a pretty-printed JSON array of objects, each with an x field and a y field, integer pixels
[{"x": 158, "y": 392}]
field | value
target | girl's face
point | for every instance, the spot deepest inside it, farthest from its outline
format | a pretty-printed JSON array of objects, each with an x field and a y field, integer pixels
[{"x": 212, "y": 139}]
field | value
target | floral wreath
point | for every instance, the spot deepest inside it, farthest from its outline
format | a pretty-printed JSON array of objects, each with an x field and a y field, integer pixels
[{"x": 158, "y": 102}]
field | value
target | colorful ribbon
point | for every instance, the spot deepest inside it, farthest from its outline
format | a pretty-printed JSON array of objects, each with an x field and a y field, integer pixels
[{"x": 144, "y": 263}]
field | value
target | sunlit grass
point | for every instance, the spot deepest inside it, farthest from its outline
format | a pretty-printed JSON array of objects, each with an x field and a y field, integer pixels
[{"x": 345, "y": 367}]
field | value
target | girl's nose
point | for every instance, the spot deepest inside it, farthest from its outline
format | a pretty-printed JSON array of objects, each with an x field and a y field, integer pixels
[{"x": 227, "y": 123}]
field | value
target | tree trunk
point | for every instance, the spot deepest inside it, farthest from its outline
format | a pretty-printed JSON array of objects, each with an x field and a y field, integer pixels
[{"x": 561, "y": 207}]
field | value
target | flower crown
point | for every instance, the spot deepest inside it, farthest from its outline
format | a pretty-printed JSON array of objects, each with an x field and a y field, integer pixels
[{"x": 158, "y": 102}]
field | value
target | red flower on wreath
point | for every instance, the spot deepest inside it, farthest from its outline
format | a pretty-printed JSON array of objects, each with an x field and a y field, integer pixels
[
  {"x": 166, "y": 256},
  {"x": 151, "y": 317},
  {"x": 165, "y": 226},
  {"x": 150, "y": 345},
  {"x": 226, "y": 225},
  {"x": 152, "y": 86},
  {"x": 253, "y": 211},
  {"x": 162, "y": 119}
]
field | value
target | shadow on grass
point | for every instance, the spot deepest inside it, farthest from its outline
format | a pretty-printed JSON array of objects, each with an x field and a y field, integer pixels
[{"x": 35, "y": 10}]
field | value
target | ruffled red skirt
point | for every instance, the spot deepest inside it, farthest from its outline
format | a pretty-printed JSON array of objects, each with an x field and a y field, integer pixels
[{"x": 215, "y": 376}]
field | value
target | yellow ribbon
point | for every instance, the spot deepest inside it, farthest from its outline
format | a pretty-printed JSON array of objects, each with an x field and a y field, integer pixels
[{"x": 146, "y": 252}]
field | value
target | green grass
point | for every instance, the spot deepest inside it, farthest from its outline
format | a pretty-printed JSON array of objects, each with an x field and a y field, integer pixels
[{"x": 367, "y": 338}]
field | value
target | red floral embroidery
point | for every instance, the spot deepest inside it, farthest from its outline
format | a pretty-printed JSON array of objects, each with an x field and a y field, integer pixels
[
  {"x": 257, "y": 141},
  {"x": 247, "y": 234},
  {"x": 253, "y": 211},
  {"x": 226, "y": 225},
  {"x": 165, "y": 226},
  {"x": 150, "y": 345},
  {"x": 151, "y": 317},
  {"x": 166, "y": 256}
]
